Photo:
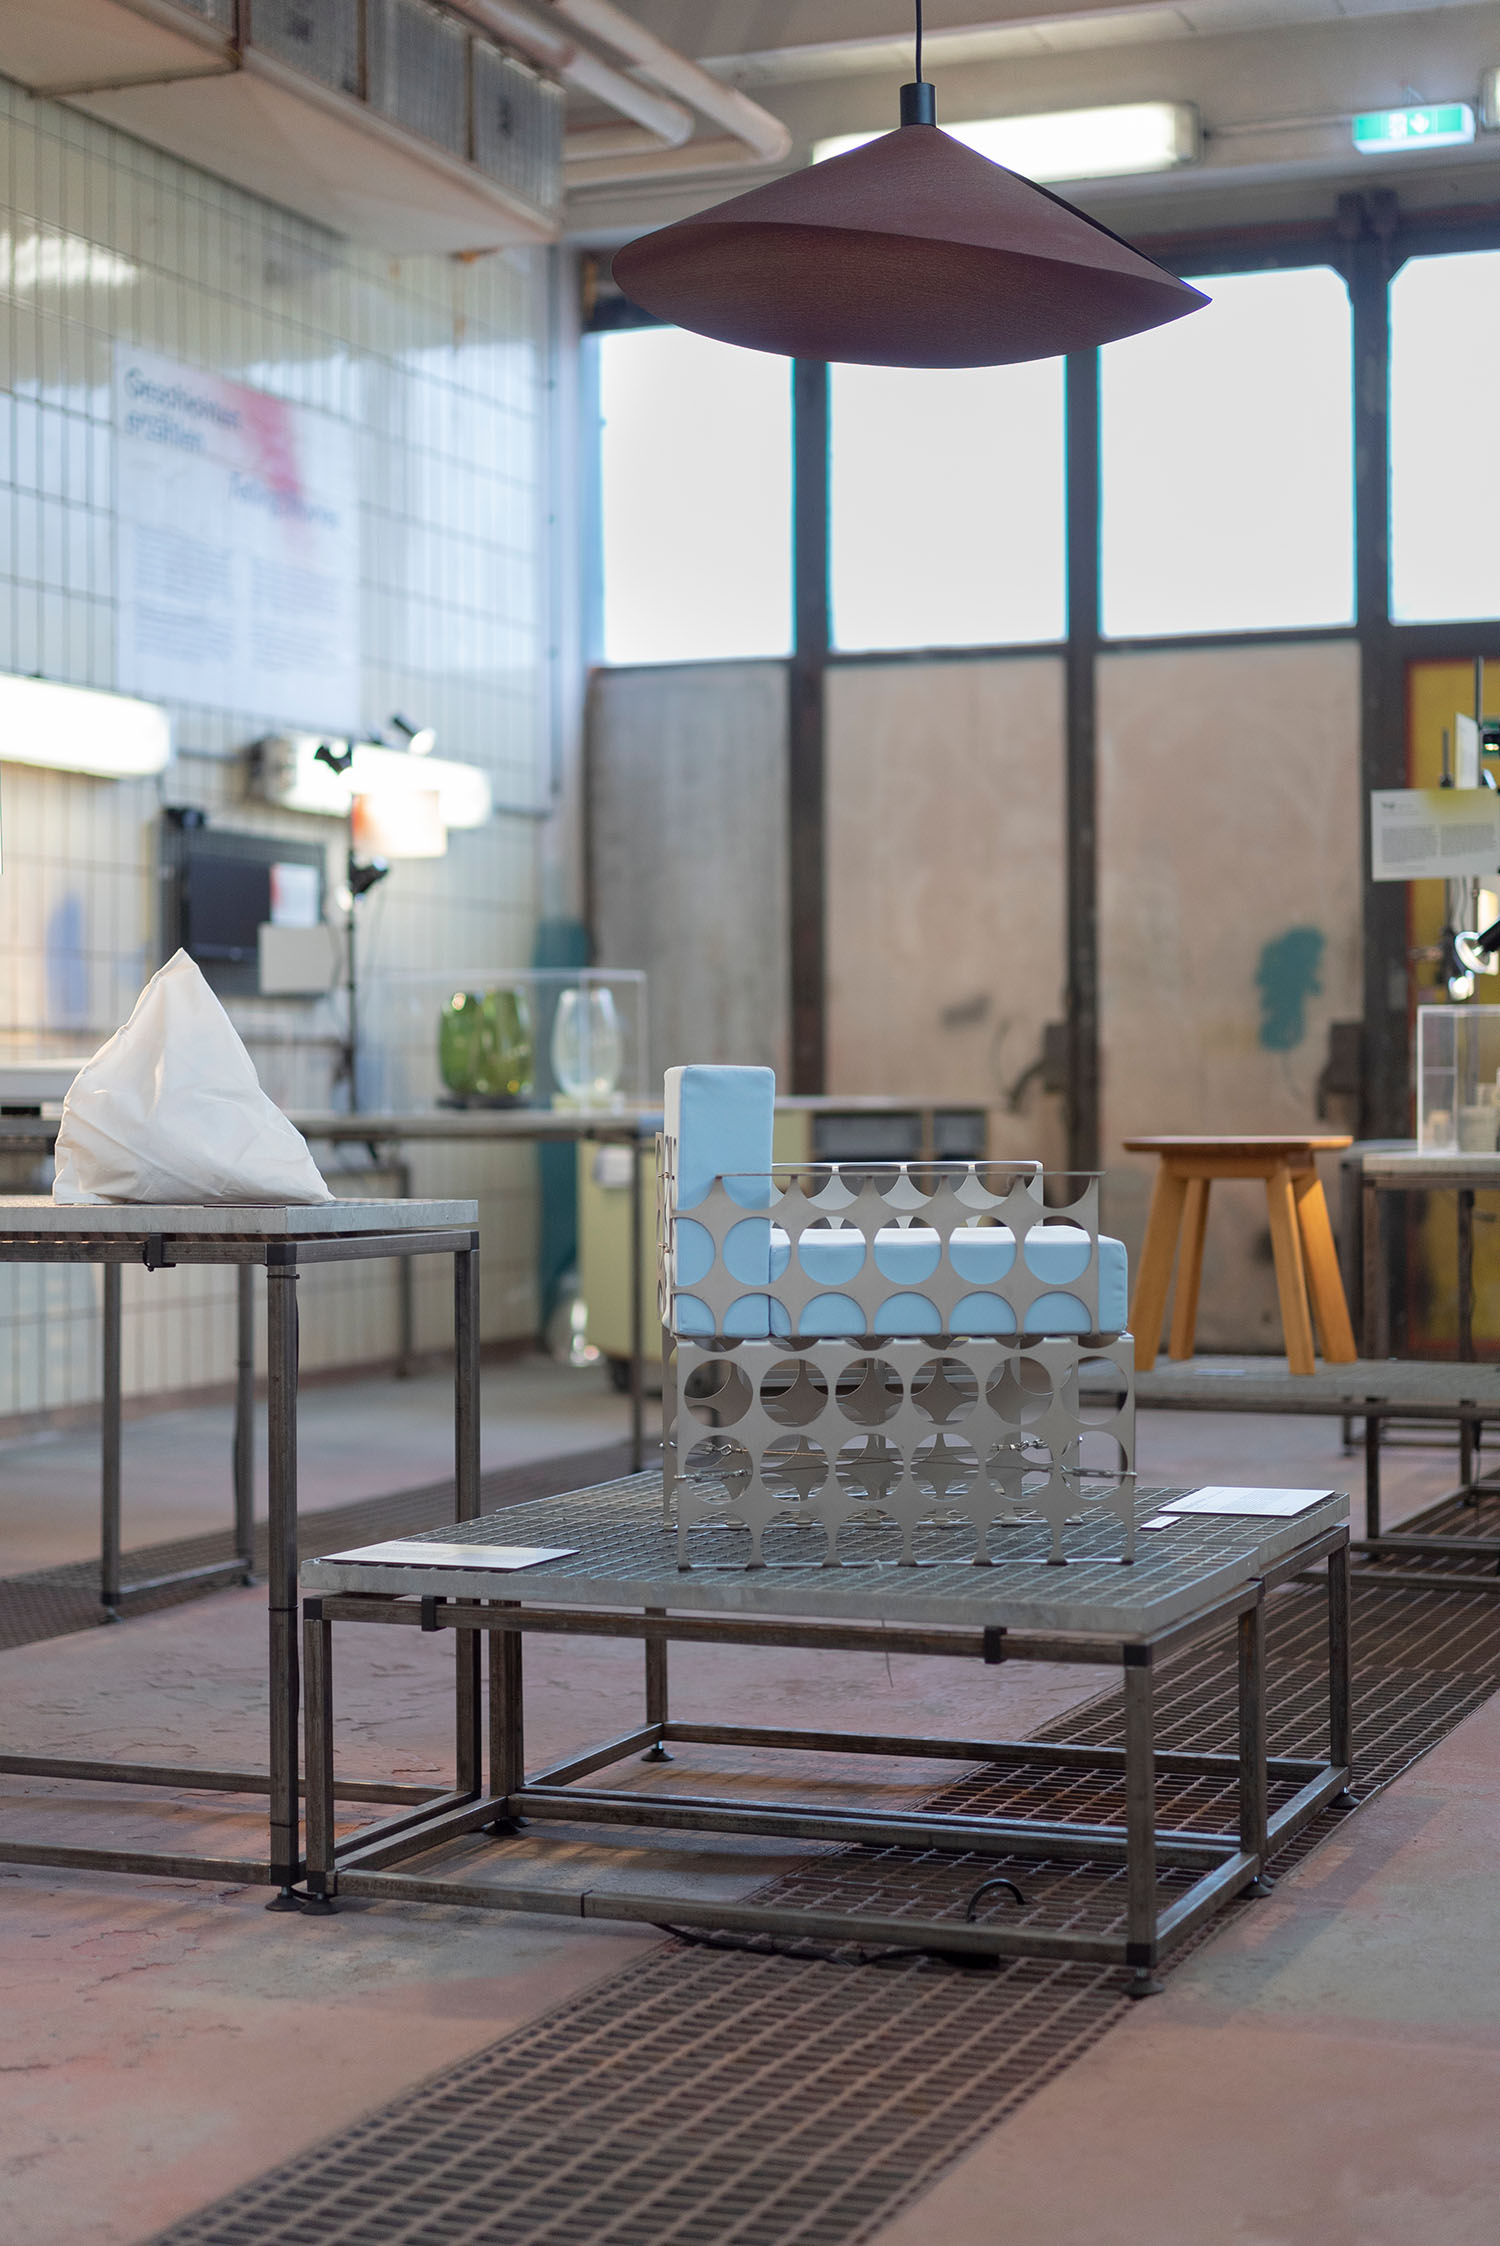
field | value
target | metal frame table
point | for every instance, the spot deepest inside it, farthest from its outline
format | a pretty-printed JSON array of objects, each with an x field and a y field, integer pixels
[
  {"x": 22, "y": 1133},
  {"x": 1377, "y": 1393},
  {"x": 632, "y": 1127},
  {"x": 618, "y": 1578},
  {"x": 1404, "y": 1170},
  {"x": 283, "y": 1241}
]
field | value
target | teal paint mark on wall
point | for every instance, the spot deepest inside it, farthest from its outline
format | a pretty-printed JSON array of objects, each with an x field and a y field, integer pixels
[{"x": 1287, "y": 977}]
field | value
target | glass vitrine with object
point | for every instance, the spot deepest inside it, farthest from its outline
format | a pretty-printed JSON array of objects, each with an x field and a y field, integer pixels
[{"x": 1458, "y": 1079}]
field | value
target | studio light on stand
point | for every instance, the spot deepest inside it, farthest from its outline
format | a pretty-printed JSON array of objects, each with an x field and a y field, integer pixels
[{"x": 420, "y": 740}]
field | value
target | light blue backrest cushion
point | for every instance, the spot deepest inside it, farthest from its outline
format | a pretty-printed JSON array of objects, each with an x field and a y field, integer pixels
[{"x": 722, "y": 1120}]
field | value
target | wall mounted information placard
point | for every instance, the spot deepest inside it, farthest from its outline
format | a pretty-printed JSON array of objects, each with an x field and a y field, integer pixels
[
  {"x": 1419, "y": 833},
  {"x": 237, "y": 547}
]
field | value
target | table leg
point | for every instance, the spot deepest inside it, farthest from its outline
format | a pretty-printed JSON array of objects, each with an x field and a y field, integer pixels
[
  {"x": 1320, "y": 1259},
  {"x": 656, "y": 1690},
  {"x": 1291, "y": 1286},
  {"x": 281, "y": 1570},
  {"x": 1372, "y": 1468},
  {"x": 1466, "y": 1274},
  {"x": 1189, "y": 1269},
  {"x": 1375, "y": 1340},
  {"x": 507, "y": 1717},
  {"x": 317, "y": 1665},
  {"x": 1251, "y": 1635},
  {"x": 1140, "y": 1821},
  {"x": 637, "y": 1323},
  {"x": 244, "y": 1419},
  {"x": 1155, "y": 1274},
  {"x": 466, "y": 1647},
  {"x": 1340, "y": 1749},
  {"x": 406, "y": 1316},
  {"x": 109, "y": 1446}
]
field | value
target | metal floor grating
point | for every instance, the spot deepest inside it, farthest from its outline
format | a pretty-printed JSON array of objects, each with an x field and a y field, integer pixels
[
  {"x": 719, "y": 2095},
  {"x": 54, "y": 1602}
]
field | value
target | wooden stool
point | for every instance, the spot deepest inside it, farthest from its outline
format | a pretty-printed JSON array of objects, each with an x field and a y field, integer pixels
[{"x": 1307, "y": 1263}]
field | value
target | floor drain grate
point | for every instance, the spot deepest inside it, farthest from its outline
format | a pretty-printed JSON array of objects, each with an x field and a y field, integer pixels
[{"x": 711, "y": 2096}]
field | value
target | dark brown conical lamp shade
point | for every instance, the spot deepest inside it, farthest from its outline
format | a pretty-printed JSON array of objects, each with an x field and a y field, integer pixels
[{"x": 913, "y": 251}]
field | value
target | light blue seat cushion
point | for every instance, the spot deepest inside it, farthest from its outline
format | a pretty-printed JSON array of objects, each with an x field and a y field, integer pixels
[
  {"x": 722, "y": 1120},
  {"x": 907, "y": 1255}
]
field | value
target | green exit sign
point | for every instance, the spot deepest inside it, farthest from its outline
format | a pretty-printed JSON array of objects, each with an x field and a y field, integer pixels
[{"x": 1386, "y": 132}]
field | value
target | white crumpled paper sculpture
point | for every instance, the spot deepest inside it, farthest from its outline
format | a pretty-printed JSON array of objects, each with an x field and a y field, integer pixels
[{"x": 171, "y": 1110}]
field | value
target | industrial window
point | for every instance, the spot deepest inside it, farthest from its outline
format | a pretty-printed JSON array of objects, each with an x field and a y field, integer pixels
[
  {"x": 696, "y": 498},
  {"x": 1445, "y": 437},
  {"x": 948, "y": 508},
  {"x": 1227, "y": 463}
]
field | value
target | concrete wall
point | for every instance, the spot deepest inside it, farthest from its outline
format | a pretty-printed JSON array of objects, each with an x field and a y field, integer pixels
[
  {"x": 1229, "y": 901},
  {"x": 687, "y": 797},
  {"x": 438, "y": 367},
  {"x": 945, "y": 882}
]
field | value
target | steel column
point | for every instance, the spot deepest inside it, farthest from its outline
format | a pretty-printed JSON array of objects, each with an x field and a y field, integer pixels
[
  {"x": 805, "y": 785},
  {"x": 1367, "y": 226},
  {"x": 1081, "y": 782}
]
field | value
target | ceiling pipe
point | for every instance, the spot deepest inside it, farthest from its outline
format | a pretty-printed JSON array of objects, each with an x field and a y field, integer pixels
[
  {"x": 763, "y": 138},
  {"x": 664, "y": 124},
  {"x": 601, "y": 166}
]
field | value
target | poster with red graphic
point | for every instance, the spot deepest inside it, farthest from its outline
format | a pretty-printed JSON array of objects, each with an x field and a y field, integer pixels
[{"x": 237, "y": 549}]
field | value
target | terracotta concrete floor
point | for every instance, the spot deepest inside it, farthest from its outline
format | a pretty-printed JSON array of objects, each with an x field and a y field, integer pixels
[{"x": 163, "y": 2042}]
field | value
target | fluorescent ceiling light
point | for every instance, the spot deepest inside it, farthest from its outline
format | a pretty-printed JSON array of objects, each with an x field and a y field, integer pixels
[
  {"x": 1133, "y": 136},
  {"x": 1393, "y": 132},
  {"x": 40, "y": 261},
  {"x": 1489, "y": 100},
  {"x": 291, "y": 773},
  {"x": 74, "y": 729}
]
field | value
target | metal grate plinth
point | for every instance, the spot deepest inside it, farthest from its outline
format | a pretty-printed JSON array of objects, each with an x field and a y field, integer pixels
[{"x": 718, "y": 2096}]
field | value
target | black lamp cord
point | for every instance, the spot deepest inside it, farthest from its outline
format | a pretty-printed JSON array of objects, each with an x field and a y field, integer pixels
[{"x": 919, "y": 41}]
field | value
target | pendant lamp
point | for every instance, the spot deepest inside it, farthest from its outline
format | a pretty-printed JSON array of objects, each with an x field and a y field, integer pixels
[{"x": 913, "y": 251}]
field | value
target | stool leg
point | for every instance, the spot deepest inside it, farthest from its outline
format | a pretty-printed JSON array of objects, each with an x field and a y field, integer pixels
[
  {"x": 1155, "y": 1274},
  {"x": 1291, "y": 1287},
  {"x": 1189, "y": 1269},
  {"x": 1320, "y": 1260}
]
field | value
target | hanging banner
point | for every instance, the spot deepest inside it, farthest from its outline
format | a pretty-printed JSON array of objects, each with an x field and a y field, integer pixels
[{"x": 237, "y": 548}]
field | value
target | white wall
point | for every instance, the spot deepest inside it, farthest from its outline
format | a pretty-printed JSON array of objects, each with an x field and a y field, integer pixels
[{"x": 439, "y": 368}]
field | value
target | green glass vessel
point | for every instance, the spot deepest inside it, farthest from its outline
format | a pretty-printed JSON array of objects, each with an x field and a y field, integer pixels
[{"x": 485, "y": 1047}]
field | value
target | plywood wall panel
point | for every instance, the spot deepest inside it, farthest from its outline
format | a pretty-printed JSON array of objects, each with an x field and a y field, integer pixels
[
  {"x": 687, "y": 853},
  {"x": 1229, "y": 846},
  {"x": 945, "y": 898}
]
